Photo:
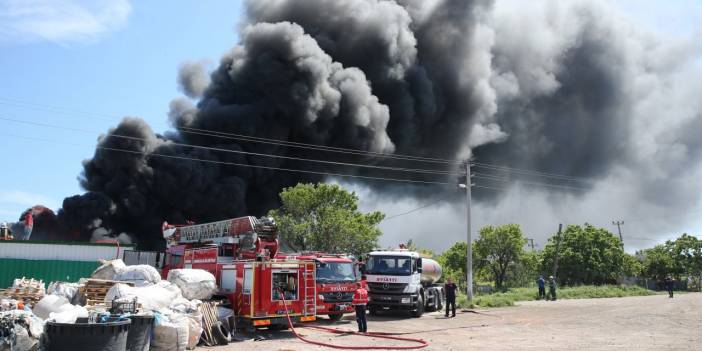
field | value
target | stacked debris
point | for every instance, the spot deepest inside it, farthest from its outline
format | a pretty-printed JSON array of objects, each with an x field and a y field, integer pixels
[{"x": 26, "y": 290}]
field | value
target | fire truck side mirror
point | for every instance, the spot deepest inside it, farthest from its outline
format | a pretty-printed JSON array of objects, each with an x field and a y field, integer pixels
[
  {"x": 362, "y": 267},
  {"x": 419, "y": 265}
]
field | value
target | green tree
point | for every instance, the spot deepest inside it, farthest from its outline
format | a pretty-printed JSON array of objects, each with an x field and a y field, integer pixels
[
  {"x": 453, "y": 262},
  {"x": 681, "y": 258},
  {"x": 325, "y": 217},
  {"x": 527, "y": 271},
  {"x": 498, "y": 250},
  {"x": 587, "y": 255}
]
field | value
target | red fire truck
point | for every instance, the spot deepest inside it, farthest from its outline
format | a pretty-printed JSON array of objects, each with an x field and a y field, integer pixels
[
  {"x": 336, "y": 282},
  {"x": 241, "y": 254}
]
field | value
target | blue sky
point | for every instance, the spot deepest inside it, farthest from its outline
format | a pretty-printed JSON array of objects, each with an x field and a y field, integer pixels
[
  {"x": 117, "y": 66},
  {"x": 110, "y": 59}
]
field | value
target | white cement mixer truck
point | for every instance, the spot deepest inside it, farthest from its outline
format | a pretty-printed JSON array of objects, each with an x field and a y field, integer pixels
[{"x": 402, "y": 280}]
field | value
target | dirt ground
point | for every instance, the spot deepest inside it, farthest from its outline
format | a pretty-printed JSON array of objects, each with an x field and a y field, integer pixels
[{"x": 632, "y": 323}]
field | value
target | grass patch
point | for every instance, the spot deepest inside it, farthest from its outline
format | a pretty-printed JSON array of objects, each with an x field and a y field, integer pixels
[{"x": 508, "y": 298}]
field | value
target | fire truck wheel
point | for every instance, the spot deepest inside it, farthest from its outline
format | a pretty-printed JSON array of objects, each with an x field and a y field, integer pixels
[
  {"x": 220, "y": 333},
  {"x": 373, "y": 311},
  {"x": 335, "y": 317}
]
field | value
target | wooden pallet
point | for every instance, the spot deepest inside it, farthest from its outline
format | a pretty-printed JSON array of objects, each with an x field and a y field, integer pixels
[{"x": 95, "y": 290}]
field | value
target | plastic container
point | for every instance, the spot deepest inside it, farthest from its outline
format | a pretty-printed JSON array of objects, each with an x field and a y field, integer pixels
[
  {"x": 110, "y": 336},
  {"x": 139, "y": 338}
]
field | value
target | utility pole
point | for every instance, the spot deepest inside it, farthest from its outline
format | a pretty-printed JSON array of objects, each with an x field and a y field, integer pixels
[
  {"x": 531, "y": 243},
  {"x": 619, "y": 224},
  {"x": 558, "y": 249},
  {"x": 469, "y": 250}
]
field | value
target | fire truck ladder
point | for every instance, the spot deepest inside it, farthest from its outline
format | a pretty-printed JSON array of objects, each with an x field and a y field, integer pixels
[{"x": 310, "y": 286}]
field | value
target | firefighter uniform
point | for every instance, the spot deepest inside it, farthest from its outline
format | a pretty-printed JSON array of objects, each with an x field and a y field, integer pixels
[{"x": 360, "y": 300}]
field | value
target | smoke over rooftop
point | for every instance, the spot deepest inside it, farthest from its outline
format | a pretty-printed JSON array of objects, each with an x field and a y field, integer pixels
[{"x": 567, "y": 87}]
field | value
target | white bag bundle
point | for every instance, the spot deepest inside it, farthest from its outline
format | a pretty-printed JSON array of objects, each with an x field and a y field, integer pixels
[
  {"x": 140, "y": 275},
  {"x": 49, "y": 304},
  {"x": 152, "y": 297},
  {"x": 68, "y": 314},
  {"x": 108, "y": 269},
  {"x": 171, "y": 332},
  {"x": 195, "y": 329},
  {"x": 67, "y": 290},
  {"x": 194, "y": 283}
]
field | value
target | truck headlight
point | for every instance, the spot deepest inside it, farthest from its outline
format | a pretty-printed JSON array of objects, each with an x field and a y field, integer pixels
[{"x": 405, "y": 300}]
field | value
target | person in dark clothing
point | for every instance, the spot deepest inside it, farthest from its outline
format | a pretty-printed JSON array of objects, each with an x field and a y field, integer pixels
[
  {"x": 669, "y": 285},
  {"x": 552, "y": 287},
  {"x": 542, "y": 287},
  {"x": 360, "y": 300},
  {"x": 450, "y": 295}
]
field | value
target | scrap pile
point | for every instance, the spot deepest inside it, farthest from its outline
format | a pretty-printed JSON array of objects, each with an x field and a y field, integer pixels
[
  {"x": 178, "y": 319},
  {"x": 27, "y": 290},
  {"x": 95, "y": 290}
]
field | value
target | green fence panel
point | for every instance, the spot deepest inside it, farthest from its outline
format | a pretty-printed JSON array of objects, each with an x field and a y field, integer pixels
[{"x": 46, "y": 270}]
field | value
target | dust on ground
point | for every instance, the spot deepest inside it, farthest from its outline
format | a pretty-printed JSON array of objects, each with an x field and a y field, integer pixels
[{"x": 630, "y": 323}]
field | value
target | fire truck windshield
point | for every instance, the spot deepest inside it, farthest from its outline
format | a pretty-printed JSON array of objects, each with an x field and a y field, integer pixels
[
  {"x": 389, "y": 265},
  {"x": 335, "y": 272}
]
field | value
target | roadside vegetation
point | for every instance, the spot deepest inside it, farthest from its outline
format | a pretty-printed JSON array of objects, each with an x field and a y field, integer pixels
[
  {"x": 508, "y": 298},
  {"x": 587, "y": 261}
]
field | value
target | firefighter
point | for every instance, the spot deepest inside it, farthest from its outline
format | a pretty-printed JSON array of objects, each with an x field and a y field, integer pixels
[
  {"x": 542, "y": 287},
  {"x": 450, "y": 295},
  {"x": 669, "y": 284},
  {"x": 552, "y": 287},
  {"x": 360, "y": 299}
]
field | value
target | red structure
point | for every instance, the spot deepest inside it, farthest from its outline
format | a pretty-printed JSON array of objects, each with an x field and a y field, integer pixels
[{"x": 242, "y": 253}]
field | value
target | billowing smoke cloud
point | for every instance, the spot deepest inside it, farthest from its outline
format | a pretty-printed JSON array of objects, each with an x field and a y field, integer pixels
[{"x": 569, "y": 88}]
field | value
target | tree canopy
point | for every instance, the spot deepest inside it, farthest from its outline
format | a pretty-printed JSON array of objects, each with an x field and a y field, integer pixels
[
  {"x": 680, "y": 257},
  {"x": 325, "y": 217},
  {"x": 498, "y": 250},
  {"x": 587, "y": 255}
]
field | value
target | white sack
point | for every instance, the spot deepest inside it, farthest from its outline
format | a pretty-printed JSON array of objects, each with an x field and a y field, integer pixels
[
  {"x": 68, "y": 314},
  {"x": 108, "y": 269},
  {"x": 194, "y": 329},
  {"x": 49, "y": 304},
  {"x": 140, "y": 275},
  {"x": 170, "y": 333},
  {"x": 67, "y": 290},
  {"x": 151, "y": 297},
  {"x": 195, "y": 283}
]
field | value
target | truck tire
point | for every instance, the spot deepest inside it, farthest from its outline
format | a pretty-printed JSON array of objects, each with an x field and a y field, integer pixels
[
  {"x": 373, "y": 311},
  {"x": 420, "y": 307},
  {"x": 439, "y": 304},
  {"x": 433, "y": 306},
  {"x": 335, "y": 317},
  {"x": 220, "y": 333}
]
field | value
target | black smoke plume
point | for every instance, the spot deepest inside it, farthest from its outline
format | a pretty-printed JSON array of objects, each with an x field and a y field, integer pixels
[{"x": 560, "y": 87}]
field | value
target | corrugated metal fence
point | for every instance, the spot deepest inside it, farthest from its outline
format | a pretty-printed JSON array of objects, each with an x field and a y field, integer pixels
[{"x": 46, "y": 270}]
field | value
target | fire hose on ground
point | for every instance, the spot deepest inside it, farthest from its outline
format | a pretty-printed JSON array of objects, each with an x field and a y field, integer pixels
[{"x": 422, "y": 343}]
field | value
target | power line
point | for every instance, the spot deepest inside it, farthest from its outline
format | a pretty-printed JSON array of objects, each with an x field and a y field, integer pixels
[
  {"x": 257, "y": 166},
  {"x": 399, "y": 169},
  {"x": 506, "y": 180},
  {"x": 242, "y": 137},
  {"x": 415, "y": 210},
  {"x": 529, "y": 172}
]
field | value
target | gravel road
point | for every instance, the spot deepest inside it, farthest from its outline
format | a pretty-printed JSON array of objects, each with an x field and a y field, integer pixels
[{"x": 631, "y": 323}]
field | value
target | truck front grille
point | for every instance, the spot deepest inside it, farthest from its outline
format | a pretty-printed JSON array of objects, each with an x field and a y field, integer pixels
[
  {"x": 386, "y": 287},
  {"x": 338, "y": 296}
]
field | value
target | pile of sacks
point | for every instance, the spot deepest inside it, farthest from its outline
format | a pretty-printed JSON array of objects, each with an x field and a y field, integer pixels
[{"x": 178, "y": 324}]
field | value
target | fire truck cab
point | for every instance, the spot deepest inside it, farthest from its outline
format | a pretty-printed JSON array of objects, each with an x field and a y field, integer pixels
[
  {"x": 241, "y": 254},
  {"x": 336, "y": 278}
]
